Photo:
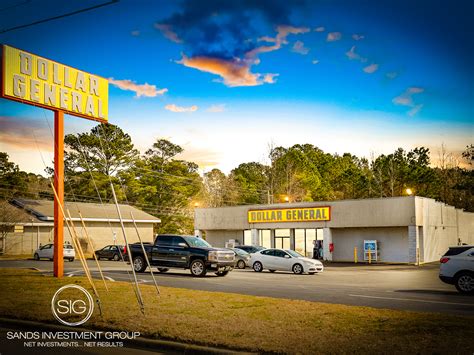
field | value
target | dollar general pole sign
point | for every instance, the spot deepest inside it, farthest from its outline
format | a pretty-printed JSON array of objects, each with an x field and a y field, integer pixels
[{"x": 38, "y": 81}]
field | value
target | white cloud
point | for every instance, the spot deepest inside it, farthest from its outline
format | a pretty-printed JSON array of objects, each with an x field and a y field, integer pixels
[
  {"x": 372, "y": 68},
  {"x": 315, "y": 61},
  {"x": 299, "y": 47},
  {"x": 181, "y": 109},
  {"x": 406, "y": 99},
  {"x": 139, "y": 89},
  {"x": 216, "y": 108},
  {"x": 333, "y": 36},
  {"x": 319, "y": 29},
  {"x": 391, "y": 75},
  {"x": 135, "y": 33},
  {"x": 415, "y": 90},
  {"x": 415, "y": 110},
  {"x": 353, "y": 55},
  {"x": 357, "y": 37},
  {"x": 168, "y": 32}
]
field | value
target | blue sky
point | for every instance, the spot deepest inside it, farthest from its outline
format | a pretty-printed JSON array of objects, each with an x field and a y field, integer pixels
[{"x": 225, "y": 78}]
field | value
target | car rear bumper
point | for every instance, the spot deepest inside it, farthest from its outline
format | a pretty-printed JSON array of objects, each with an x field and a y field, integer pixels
[{"x": 447, "y": 279}]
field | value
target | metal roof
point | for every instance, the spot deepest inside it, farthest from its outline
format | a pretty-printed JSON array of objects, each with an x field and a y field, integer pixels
[{"x": 91, "y": 212}]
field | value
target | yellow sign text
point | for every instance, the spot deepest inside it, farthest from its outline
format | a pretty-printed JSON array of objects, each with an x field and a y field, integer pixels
[
  {"x": 290, "y": 215},
  {"x": 42, "y": 82}
]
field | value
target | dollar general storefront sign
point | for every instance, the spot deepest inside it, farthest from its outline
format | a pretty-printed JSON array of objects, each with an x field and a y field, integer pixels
[
  {"x": 38, "y": 81},
  {"x": 290, "y": 215}
]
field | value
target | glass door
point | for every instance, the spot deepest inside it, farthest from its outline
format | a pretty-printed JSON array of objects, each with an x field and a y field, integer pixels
[
  {"x": 282, "y": 238},
  {"x": 282, "y": 242}
]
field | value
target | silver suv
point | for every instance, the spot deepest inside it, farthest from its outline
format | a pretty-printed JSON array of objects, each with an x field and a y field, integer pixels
[{"x": 457, "y": 268}]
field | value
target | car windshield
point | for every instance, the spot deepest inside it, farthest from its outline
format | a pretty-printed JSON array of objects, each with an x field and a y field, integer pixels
[
  {"x": 294, "y": 254},
  {"x": 197, "y": 242},
  {"x": 240, "y": 252}
]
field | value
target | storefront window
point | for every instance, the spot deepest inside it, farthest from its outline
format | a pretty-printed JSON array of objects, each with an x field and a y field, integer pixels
[
  {"x": 320, "y": 234},
  {"x": 282, "y": 233},
  {"x": 264, "y": 236},
  {"x": 300, "y": 241},
  {"x": 282, "y": 242},
  {"x": 310, "y": 238},
  {"x": 247, "y": 237},
  {"x": 282, "y": 238}
]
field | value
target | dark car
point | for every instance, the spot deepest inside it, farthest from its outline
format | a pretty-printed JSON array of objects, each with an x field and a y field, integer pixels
[
  {"x": 242, "y": 258},
  {"x": 250, "y": 248},
  {"x": 111, "y": 252},
  {"x": 183, "y": 252}
]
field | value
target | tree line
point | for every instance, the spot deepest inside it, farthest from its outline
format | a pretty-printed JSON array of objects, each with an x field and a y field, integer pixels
[{"x": 161, "y": 184}]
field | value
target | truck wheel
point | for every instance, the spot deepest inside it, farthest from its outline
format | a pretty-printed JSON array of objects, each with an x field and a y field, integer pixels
[
  {"x": 222, "y": 273},
  {"x": 162, "y": 269},
  {"x": 465, "y": 283},
  {"x": 139, "y": 264},
  {"x": 198, "y": 268},
  {"x": 257, "y": 266},
  {"x": 297, "y": 269},
  {"x": 241, "y": 264}
]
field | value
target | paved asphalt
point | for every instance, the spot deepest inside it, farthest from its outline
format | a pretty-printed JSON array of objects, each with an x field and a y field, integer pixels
[{"x": 383, "y": 286}]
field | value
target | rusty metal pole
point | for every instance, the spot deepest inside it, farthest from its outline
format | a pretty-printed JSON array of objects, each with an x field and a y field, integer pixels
[{"x": 58, "y": 267}]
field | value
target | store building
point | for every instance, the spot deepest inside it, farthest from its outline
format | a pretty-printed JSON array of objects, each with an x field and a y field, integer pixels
[
  {"x": 396, "y": 230},
  {"x": 27, "y": 224}
]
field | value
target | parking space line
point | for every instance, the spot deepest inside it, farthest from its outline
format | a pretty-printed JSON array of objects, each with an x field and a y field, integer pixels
[{"x": 413, "y": 300}]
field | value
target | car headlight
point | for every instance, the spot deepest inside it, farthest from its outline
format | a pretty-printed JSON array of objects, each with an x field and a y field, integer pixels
[{"x": 213, "y": 256}]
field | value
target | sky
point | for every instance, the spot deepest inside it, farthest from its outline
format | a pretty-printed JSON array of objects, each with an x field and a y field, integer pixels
[{"x": 227, "y": 79}]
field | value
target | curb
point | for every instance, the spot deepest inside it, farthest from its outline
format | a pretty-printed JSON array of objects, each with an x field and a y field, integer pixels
[{"x": 140, "y": 343}]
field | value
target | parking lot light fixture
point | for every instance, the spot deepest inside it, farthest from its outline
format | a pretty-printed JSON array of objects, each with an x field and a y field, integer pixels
[{"x": 409, "y": 191}]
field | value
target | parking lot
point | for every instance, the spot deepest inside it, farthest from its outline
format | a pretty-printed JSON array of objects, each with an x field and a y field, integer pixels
[{"x": 400, "y": 287}]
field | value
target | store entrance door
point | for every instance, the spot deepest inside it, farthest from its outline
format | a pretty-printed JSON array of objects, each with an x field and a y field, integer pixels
[
  {"x": 305, "y": 241},
  {"x": 282, "y": 239},
  {"x": 282, "y": 242}
]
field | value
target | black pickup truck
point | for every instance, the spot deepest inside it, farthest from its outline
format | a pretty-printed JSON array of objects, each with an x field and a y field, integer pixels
[{"x": 184, "y": 252}]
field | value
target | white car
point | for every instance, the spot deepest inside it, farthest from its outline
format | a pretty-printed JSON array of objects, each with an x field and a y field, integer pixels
[
  {"x": 284, "y": 260},
  {"x": 457, "y": 268},
  {"x": 47, "y": 252}
]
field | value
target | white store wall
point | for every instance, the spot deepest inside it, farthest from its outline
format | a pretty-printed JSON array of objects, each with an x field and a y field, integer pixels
[{"x": 392, "y": 242}]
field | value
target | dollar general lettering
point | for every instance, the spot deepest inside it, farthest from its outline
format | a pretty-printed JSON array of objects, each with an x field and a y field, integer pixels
[
  {"x": 42, "y": 82},
  {"x": 290, "y": 215}
]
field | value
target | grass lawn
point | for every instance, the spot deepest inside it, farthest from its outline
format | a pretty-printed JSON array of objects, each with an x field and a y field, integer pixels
[{"x": 245, "y": 322}]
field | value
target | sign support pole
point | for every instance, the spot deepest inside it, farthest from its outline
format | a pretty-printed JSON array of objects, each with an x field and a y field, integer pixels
[{"x": 58, "y": 257}]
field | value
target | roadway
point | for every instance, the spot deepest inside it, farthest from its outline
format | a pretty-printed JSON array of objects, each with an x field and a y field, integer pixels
[{"x": 399, "y": 287}]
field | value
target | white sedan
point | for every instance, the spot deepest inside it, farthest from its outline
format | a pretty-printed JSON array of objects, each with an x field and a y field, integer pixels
[
  {"x": 284, "y": 260},
  {"x": 47, "y": 252}
]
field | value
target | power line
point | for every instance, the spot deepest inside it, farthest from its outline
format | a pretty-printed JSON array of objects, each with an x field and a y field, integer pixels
[{"x": 58, "y": 17}]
